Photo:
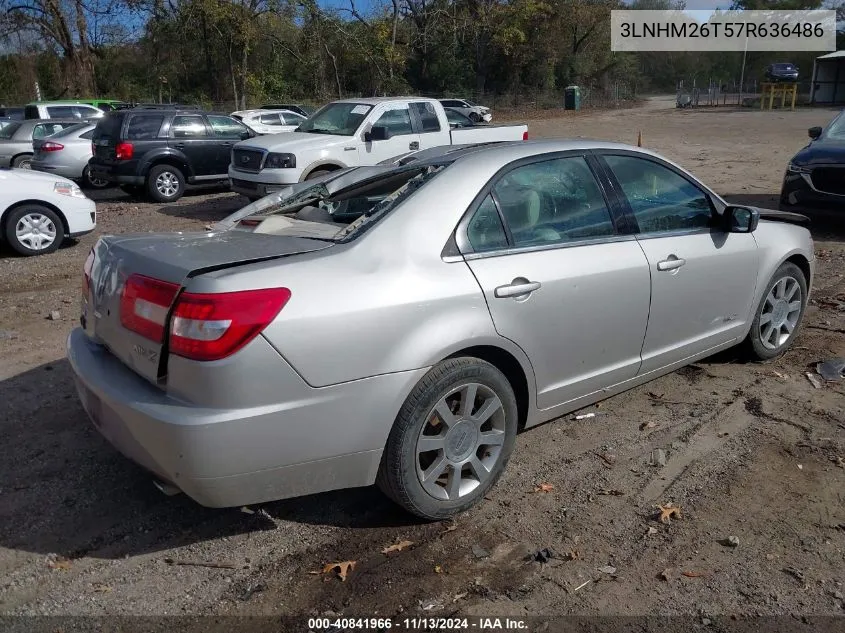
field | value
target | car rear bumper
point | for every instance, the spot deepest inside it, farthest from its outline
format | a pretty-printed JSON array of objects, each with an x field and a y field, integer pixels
[
  {"x": 231, "y": 457},
  {"x": 60, "y": 170},
  {"x": 110, "y": 174}
]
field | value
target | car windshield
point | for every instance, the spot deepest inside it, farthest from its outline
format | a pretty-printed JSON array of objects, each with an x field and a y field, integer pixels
[
  {"x": 784, "y": 66},
  {"x": 9, "y": 131},
  {"x": 341, "y": 119},
  {"x": 311, "y": 210},
  {"x": 836, "y": 130}
]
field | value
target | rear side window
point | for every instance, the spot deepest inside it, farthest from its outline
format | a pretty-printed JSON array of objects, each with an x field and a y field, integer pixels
[
  {"x": 85, "y": 112},
  {"x": 485, "y": 231},
  {"x": 270, "y": 119},
  {"x": 427, "y": 115},
  {"x": 143, "y": 127},
  {"x": 61, "y": 112},
  {"x": 187, "y": 127},
  {"x": 554, "y": 201},
  {"x": 87, "y": 135},
  {"x": 9, "y": 131},
  {"x": 31, "y": 112}
]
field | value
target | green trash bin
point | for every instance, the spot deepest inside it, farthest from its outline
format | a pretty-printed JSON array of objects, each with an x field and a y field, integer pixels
[{"x": 572, "y": 98}]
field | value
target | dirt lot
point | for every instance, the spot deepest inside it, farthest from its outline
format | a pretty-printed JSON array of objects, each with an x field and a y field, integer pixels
[{"x": 751, "y": 452}]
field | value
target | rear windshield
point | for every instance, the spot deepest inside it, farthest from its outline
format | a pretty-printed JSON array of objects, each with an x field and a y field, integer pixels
[
  {"x": 9, "y": 131},
  {"x": 69, "y": 131},
  {"x": 108, "y": 127}
]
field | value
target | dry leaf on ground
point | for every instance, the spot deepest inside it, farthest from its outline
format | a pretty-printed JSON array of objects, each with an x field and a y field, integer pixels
[
  {"x": 342, "y": 569},
  {"x": 397, "y": 547},
  {"x": 612, "y": 493},
  {"x": 668, "y": 512},
  {"x": 100, "y": 587},
  {"x": 693, "y": 574},
  {"x": 544, "y": 488},
  {"x": 438, "y": 569},
  {"x": 60, "y": 563},
  {"x": 450, "y": 528}
]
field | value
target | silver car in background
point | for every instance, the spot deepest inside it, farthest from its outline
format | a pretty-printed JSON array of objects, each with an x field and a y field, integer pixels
[
  {"x": 67, "y": 153},
  {"x": 399, "y": 324},
  {"x": 16, "y": 139}
]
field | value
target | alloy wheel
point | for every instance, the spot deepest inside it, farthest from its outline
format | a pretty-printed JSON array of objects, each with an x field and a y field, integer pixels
[
  {"x": 460, "y": 442},
  {"x": 780, "y": 313},
  {"x": 167, "y": 184}
]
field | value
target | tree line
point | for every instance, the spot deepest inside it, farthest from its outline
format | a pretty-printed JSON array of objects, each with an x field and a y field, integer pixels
[{"x": 241, "y": 53}]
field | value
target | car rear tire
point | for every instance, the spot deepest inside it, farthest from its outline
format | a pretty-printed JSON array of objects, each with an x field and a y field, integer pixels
[
  {"x": 778, "y": 316},
  {"x": 24, "y": 161},
  {"x": 165, "y": 183},
  {"x": 93, "y": 183},
  {"x": 452, "y": 439},
  {"x": 33, "y": 229}
]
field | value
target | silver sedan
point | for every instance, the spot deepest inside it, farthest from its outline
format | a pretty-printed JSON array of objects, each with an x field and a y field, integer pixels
[
  {"x": 66, "y": 154},
  {"x": 399, "y": 324}
]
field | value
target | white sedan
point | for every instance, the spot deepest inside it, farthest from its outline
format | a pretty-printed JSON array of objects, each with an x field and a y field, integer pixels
[
  {"x": 38, "y": 211},
  {"x": 269, "y": 121}
]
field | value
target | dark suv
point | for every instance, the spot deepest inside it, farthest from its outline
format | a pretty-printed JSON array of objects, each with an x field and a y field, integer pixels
[{"x": 161, "y": 150}]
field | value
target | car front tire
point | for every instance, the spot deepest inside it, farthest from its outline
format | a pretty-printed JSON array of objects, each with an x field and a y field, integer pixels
[
  {"x": 33, "y": 229},
  {"x": 779, "y": 314},
  {"x": 24, "y": 161},
  {"x": 165, "y": 183},
  {"x": 452, "y": 439}
]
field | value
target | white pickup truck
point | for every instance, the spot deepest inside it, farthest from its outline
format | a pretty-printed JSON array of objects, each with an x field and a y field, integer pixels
[{"x": 351, "y": 133}]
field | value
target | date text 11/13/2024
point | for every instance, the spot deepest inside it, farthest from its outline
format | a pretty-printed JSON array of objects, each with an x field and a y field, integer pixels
[{"x": 338, "y": 624}]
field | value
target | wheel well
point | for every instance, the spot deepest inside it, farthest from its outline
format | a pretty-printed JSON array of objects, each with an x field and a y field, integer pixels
[
  {"x": 803, "y": 264},
  {"x": 506, "y": 363},
  {"x": 326, "y": 167},
  {"x": 5, "y": 216},
  {"x": 173, "y": 162},
  {"x": 18, "y": 155}
]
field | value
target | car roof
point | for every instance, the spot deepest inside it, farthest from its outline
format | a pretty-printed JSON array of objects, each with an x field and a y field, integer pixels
[
  {"x": 267, "y": 111},
  {"x": 377, "y": 100}
]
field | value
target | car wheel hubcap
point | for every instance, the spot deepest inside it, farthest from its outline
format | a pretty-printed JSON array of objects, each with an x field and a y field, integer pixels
[
  {"x": 24, "y": 165},
  {"x": 167, "y": 184},
  {"x": 460, "y": 442},
  {"x": 779, "y": 316},
  {"x": 36, "y": 231}
]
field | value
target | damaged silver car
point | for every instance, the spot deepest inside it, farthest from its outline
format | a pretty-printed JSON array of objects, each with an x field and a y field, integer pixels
[{"x": 398, "y": 324}]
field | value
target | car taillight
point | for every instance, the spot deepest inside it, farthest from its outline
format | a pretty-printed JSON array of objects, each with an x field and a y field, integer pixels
[
  {"x": 124, "y": 151},
  {"x": 144, "y": 303},
  {"x": 50, "y": 146},
  {"x": 525, "y": 135},
  {"x": 214, "y": 326}
]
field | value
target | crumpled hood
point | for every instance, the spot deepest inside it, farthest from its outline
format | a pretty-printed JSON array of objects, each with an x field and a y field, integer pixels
[
  {"x": 30, "y": 176},
  {"x": 295, "y": 142}
]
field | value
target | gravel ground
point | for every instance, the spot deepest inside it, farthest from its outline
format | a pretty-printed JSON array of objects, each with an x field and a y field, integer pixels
[{"x": 752, "y": 451}]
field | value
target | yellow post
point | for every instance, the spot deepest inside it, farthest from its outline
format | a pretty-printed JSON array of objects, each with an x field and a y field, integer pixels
[
  {"x": 771, "y": 97},
  {"x": 762, "y": 95},
  {"x": 794, "y": 95}
]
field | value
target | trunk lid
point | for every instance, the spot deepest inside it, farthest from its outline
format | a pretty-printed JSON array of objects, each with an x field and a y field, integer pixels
[{"x": 172, "y": 258}]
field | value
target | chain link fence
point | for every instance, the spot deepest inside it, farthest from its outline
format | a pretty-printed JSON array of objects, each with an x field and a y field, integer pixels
[{"x": 697, "y": 94}]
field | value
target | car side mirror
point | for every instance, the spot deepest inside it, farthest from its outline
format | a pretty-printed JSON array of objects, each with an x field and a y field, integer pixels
[
  {"x": 377, "y": 133},
  {"x": 814, "y": 132},
  {"x": 739, "y": 219}
]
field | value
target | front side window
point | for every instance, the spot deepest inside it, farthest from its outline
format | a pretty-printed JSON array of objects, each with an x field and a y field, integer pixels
[
  {"x": 291, "y": 118},
  {"x": 398, "y": 121},
  {"x": 187, "y": 127},
  {"x": 227, "y": 127},
  {"x": 270, "y": 119},
  {"x": 43, "y": 130},
  {"x": 84, "y": 112},
  {"x": 661, "y": 199},
  {"x": 554, "y": 201},
  {"x": 143, "y": 127},
  {"x": 427, "y": 116}
]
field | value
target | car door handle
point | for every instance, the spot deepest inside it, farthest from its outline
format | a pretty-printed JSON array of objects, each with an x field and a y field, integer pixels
[
  {"x": 517, "y": 288},
  {"x": 414, "y": 145},
  {"x": 180, "y": 146},
  {"x": 671, "y": 263}
]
